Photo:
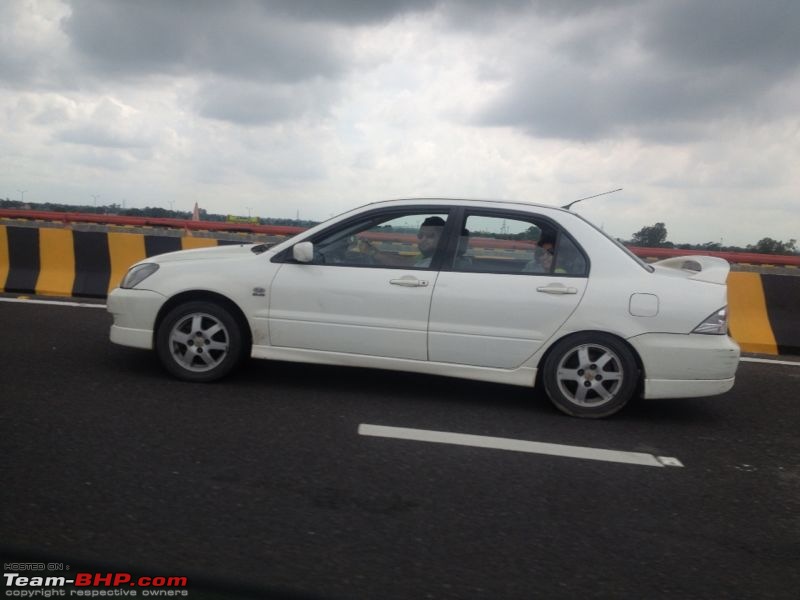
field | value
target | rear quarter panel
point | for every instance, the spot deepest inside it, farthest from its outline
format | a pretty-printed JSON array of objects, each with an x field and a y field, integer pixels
[{"x": 614, "y": 277}]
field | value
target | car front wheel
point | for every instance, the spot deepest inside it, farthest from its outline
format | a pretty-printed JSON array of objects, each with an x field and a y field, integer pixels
[
  {"x": 199, "y": 341},
  {"x": 590, "y": 375}
]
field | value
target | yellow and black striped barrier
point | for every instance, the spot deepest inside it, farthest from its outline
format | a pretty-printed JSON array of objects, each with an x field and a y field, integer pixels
[
  {"x": 63, "y": 262},
  {"x": 764, "y": 308},
  {"x": 765, "y": 312}
]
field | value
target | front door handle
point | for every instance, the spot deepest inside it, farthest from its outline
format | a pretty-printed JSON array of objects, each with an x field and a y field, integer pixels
[
  {"x": 557, "y": 288},
  {"x": 409, "y": 281}
]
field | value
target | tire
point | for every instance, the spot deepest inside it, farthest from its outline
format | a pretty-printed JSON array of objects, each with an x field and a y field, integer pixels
[
  {"x": 200, "y": 341},
  {"x": 591, "y": 375}
]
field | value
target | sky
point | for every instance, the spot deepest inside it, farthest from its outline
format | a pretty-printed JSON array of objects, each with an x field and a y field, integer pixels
[{"x": 280, "y": 108}]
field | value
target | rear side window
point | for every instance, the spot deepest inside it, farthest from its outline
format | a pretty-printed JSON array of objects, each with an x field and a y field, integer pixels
[
  {"x": 569, "y": 259},
  {"x": 515, "y": 244}
]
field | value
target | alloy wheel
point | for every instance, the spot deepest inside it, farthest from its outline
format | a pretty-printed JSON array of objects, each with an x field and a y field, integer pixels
[
  {"x": 199, "y": 342},
  {"x": 590, "y": 375}
]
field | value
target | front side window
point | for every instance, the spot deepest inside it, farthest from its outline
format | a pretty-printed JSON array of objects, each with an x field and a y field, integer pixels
[
  {"x": 515, "y": 244},
  {"x": 408, "y": 240}
]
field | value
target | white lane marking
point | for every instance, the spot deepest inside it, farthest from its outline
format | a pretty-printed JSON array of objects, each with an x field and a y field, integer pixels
[
  {"x": 56, "y": 302},
  {"x": 770, "y": 361},
  {"x": 480, "y": 441}
]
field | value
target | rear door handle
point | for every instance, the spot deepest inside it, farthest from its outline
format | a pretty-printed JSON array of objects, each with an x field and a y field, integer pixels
[
  {"x": 409, "y": 281},
  {"x": 558, "y": 289}
]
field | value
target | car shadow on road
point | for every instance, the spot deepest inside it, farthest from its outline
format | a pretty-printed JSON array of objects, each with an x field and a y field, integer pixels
[
  {"x": 413, "y": 386},
  {"x": 680, "y": 410},
  {"x": 297, "y": 378},
  {"x": 378, "y": 382}
]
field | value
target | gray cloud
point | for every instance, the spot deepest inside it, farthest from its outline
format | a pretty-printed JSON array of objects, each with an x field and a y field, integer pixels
[
  {"x": 95, "y": 135},
  {"x": 577, "y": 102},
  {"x": 348, "y": 12},
  {"x": 246, "y": 103},
  {"x": 31, "y": 52},
  {"x": 725, "y": 33},
  {"x": 108, "y": 125},
  {"x": 280, "y": 40},
  {"x": 468, "y": 13},
  {"x": 181, "y": 37},
  {"x": 659, "y": 71},
  {"x": 555, "y": 9}
]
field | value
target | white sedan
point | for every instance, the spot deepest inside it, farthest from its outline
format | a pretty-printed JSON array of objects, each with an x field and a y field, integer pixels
[{"x": 507, "y": 292}]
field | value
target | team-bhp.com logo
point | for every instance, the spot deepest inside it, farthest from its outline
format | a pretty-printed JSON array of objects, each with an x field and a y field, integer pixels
[{"x": 95, "y": 585}]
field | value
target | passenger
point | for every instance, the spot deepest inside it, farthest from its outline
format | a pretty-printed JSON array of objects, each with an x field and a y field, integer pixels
[{"x": 543, "y": 255}]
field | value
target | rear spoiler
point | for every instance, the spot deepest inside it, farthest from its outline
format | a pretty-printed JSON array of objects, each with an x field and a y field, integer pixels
[{"x": 701, "y": 268}]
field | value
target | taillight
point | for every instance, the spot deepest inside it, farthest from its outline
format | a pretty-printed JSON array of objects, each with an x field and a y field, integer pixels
[{"x": 716, "y": 324}]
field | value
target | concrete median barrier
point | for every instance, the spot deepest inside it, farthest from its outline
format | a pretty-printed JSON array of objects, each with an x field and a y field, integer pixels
[
  {"x": 88, "y": 264},
  {"x": 765, "y": 312},
  {"x": 57, "y": 261}
]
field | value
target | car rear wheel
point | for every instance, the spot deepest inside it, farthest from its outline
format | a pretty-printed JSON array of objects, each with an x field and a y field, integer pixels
[
  {"x": 590, "y": 375},
  {"x": 199, "y": 341}
]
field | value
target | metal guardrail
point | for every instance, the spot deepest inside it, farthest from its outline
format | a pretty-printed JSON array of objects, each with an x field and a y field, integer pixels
[{"x": 281, "y": 230}]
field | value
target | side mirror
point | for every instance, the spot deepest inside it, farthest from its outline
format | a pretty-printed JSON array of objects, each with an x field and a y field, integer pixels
[{"x": 303, "y": 252}]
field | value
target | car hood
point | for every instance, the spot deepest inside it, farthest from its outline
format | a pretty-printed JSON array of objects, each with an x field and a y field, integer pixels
[
  {"x": 698, "y": 267},
  {"x": 214, "y": 253}
]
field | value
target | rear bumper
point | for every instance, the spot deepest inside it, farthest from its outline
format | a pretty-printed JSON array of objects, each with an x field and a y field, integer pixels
[
  {"x": 686, "y": 366},
  {"x": 693, "y": 388},
  {"x": 134, "y": 313}
]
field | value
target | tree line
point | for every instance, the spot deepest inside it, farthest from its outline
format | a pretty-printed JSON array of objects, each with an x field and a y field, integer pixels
[{"x": 655, "y": 236}]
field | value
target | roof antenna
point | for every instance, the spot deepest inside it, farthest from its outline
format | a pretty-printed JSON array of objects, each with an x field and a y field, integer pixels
[{"x": 566, "y": 206}]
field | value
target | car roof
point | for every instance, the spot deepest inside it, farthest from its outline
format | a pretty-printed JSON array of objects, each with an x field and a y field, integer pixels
[{"x": 468, "y": 201}]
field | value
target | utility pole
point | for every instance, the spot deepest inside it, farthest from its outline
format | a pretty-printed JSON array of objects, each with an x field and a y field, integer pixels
[{"x": 22, "y": 195}]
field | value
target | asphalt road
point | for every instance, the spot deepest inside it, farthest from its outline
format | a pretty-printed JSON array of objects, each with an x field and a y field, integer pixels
[{"x": 262, "y": 482}]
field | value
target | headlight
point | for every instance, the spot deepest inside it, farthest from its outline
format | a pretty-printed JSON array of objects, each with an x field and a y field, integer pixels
[
  {"x": 716, "y": 324},
  {"x": 138, "y": 274}
]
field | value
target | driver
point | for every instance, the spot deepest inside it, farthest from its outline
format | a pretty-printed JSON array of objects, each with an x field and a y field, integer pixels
[
  {"x": 428, "y": 236},
  {"x": 428, "y": 239}
]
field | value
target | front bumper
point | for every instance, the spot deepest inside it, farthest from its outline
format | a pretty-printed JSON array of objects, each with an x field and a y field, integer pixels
[
  {"x": 686, "y": 366},
  {"x": 134, "y": 313}
]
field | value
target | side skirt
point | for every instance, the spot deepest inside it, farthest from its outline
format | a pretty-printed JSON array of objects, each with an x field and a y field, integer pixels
[{"x": 522, "y": 376}]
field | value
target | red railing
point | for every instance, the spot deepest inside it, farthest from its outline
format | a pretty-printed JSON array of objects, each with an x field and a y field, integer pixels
[
  {"x": 69, "y": 217},
  {"x": 732, "y": 257},
  {"x": 280, "y": 230}
]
